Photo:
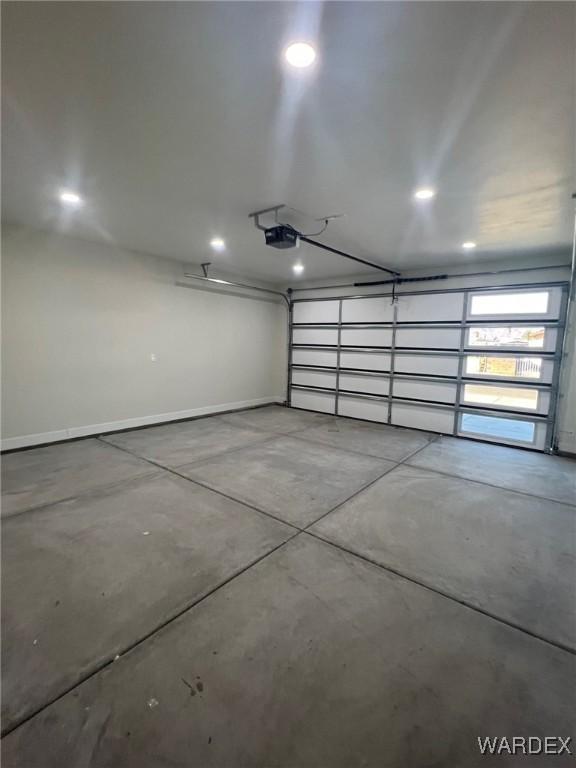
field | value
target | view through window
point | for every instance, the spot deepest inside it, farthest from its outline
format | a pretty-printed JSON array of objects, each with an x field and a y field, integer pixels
[
  {"x": 497, "y": 427},
  {"x": 507, "y": 336},
  {"x": 503, "y": 397},
  {"x": 508, "y": 367}
]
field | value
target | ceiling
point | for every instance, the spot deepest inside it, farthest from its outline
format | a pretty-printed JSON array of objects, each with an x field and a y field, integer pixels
[{"x": 176, "y": 120}]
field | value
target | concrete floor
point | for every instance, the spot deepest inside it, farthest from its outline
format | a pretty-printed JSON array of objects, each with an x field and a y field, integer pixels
[{"x": 276, "y": 588}]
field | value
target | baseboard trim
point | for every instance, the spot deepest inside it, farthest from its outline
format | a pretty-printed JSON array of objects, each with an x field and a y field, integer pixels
[
  {"x": 91, "y": 430},
  {"x": 566, "y": 454}
]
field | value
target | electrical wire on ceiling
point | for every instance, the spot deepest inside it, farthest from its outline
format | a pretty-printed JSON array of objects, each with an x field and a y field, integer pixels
[
  {"x": 306, "y": 234},
  {"x": 325, "y": 219}
]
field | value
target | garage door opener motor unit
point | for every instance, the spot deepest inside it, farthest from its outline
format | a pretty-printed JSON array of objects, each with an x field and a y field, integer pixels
[{"x": 282, "y": 237}]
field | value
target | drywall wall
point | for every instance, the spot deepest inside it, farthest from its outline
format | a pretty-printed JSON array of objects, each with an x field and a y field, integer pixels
[
  {"x": 529, "y": 270},
  {"x": 82, "y": 321},
  {"x": 566, "y": 422}
]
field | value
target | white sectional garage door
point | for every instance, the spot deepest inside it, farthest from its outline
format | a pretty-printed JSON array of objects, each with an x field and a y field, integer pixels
[{"x": 480, "y": 363}]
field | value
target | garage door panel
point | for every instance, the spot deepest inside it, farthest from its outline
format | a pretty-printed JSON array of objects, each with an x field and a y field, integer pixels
[
  {"x": 430, "y": 308},
  {"x": 366, "y": 337},
  {"x": 326, "y": 336},
  {"x": 365, "y": 361},
  {"x": 314, "y": 378},
  {"x": 313, "y": 401},
  {"x": 362, "y": 408},
  {"x": 433, "y": 391},
  {"x": 421, "y": 417},
  {"x": 324, "y": 357},
  {"x": 316, "y": 312},
  {"x": 374, "y": 385},
  {"x": 428, "y": 338},
  {"x": 428, "y": 365},
  {"x": 376, "y": 310}
]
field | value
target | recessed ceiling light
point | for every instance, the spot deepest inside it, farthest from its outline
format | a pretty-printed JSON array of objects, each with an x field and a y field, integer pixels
[
  {"x": 298, "y": 269},
  {"x": 426, "y": 193},
  {"x": 300, "y": 55},
  {"x": 70, "y": 198},
  {"x": 469, "y": 245},
  {"x": 217, "y": 244}
]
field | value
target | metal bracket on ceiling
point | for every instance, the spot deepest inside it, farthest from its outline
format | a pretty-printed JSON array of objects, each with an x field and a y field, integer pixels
[
  {"x": 205, "y": 266},
  {"x": 256, "y": 215}
]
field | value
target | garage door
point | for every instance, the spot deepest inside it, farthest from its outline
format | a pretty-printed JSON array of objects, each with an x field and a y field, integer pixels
[{"x": 481, "y": 363}]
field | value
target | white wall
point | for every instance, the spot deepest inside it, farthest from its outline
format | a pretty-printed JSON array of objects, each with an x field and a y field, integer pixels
[
  {"x": 81, "y": 320},
  {"x": 566, "y": 435}
]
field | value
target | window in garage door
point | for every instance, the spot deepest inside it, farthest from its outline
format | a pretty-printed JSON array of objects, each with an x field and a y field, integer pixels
[
  {"x": 498, "y": 429},
  {"x": 509, "y": 398},
  {"x": 506, "y": 367},
  {"x": 503, "y": 304},
  {"x": 511, "y": 337}
]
